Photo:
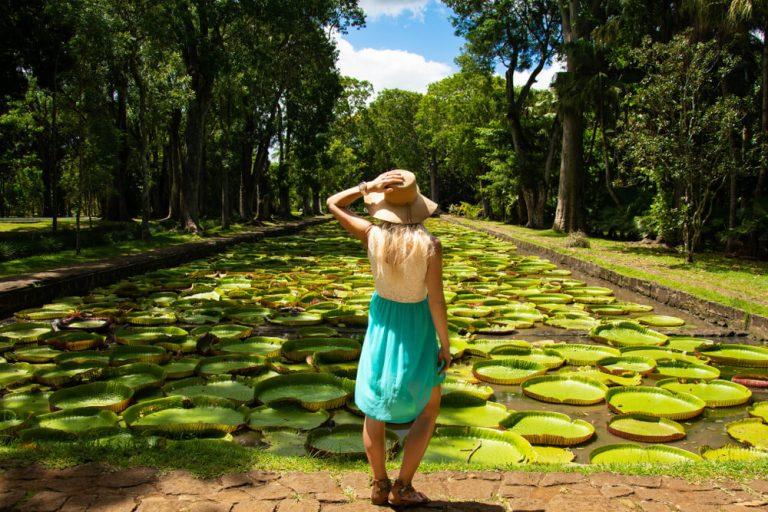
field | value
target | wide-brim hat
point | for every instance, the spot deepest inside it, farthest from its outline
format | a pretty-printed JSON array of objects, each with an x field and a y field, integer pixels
[{"x": 404, "y": 204}]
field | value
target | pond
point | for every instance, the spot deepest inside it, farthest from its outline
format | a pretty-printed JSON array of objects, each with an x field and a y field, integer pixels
[{"x": 262, "y": 340}]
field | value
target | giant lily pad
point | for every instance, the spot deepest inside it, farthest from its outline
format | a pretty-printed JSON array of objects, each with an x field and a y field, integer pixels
[
  {"x": 177, "y": 415},
  {"x": 71, "y": 424},
  {"x": 290, "y": 416},
  {"x": 626, "y": 334},
  {"x": 23, "y": 332},
  {"x": 313, "y": 391},
  {"x": 716, "y": 393},
  {"x": 750, "y": 431},
  {"x": 126, "y": 354},
  {"x": 733, "y": 453},
  {"x": 636, "y": 454},
  {"x": 470, "y": 411},
  {"x": 478, "y": 446},
  {"x": 579, "y": 354},
  {"x": 560, "y": 389},
  {"x": 508, "y": 370},
  {"x": 340, "y": 349},
  {"x": 95, "y": 395},
  {"x": 137, "y": 376},
  {"x": 622, "y": 364},
  {"x": 660, "y": 320},
  {"x": 264, "y": 346},
  {"x": 239, "y": 389},
  {"x": 547, "y": 357},
  {"x": 651, "y": 401},
  {"x": 645, "y": 428},
  {"x": 300, "y": 319},
  {"x": 344, "y": 441},
  {"x": 686, "y": 370},
  {"x": 232, "y": 363},
  {"x": 552, "y": 428},
  {"x": 759, "y": 410},
  {"x": 736, "y": 354},
  {"x": 26, "y": 403}
]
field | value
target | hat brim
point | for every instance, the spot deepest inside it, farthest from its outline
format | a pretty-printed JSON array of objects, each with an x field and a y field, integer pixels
[{"x": 415, "y": 212}]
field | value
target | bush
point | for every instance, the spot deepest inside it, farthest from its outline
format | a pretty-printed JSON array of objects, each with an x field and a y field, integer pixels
[
  {"x": 464, "y": 209},
  {"x": 577, "y": 239}
]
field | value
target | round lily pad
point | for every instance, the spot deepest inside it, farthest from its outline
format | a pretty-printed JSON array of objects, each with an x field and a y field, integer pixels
[
  {"x": 95, "y": 395},
  {"x": 478, "y": 446},
  {"x": 344, "y": 441},
  {"x": 551, "y": 428},
  {"x": 232, "y": 363},
  {"x": 660, "y": 320},
  {"x": 636, "y": 454},
  {"x": 626, "y": 334},
  {"x": 471, "y": 412},
  {"x": 546, "y": 356},
  {"x": 313, "y": 391},
  {"x": 508, "y": 370},
  {"x": 651, "y": 401},
  {"x": 340, "y": 349},
  {"x": 645, "y": 428},
  {"x": 565, "y": 389},
  {"x": 733, "y": 453},
  {"x": 175, "y": 415},
  {"x": 265, "y": 417},
  {"x": 750, "y": 431},
  {"x": 716, "y": 393},
  {"x": 759, "y": 410},
  {"x": 71, "y": 424},
  {"x": 622, "y": 364},
  {"x": 580, "y": 354},
  {"x": 686, "y": 370},
  {"x": 736, "y": 354},
  {"x": 300, "y": 319},
  {"x": 264, "y": 346}
]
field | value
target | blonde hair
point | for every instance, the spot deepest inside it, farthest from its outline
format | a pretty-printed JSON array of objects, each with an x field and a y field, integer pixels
[{"x": 398, "y": 245}]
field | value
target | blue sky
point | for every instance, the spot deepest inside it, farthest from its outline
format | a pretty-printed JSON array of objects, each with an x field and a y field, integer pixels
[{"x": 406, "y": 44}]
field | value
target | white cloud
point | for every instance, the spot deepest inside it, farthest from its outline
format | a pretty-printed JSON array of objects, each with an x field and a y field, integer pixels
[
  {"x": 544, "y": 79},
  {"x": 388, "y": 69},
  {"x": 394, "y": 8}
]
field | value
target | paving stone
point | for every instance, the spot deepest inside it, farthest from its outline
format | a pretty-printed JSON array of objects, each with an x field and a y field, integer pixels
[
  {"x": 157, "y": 504},
  {"x": 90, "y": 469},
  {"x": 616, "y": 491},
  {"x": 302, "y": 505},
  {"x": 358, "y": 506},
  {"x": 269, "y": 491},
  {"x": 651, "y": 482},
  {"x": 208, "y": 506},
  {"x": 304, "y": 483},
  {"x": 678, "y": 484},
  {"x": 357, "y": 483},
  {"x": 10, "y": 498},
  {"x": 521, "y": 478},
  {"x": 112, "y": 503},
  {"x": 604, "y": 478},
  {"x": 78, "y": 503},
  {"x": 526, "y": 505},
  {"x": 263, "y": 476},
  {"x": 233, "y": 495},
  {"x": 759, "y": 486},
  {"x": 472, "y": 506},
  {"x": 433, "y": 485},
  {"x": 567, "y": 501},
  {"x": 74, "y": 485},
  {"x": 126, "y": 478},
  {"x": 235, "y": 480},
  {"x": 45, "y": 501},
  {"x": 754, "y": 503},
  {"x": 660, "y": 495},
  {"x": 255, "y": 506},
  {"x": 472, "y": 489},
  {"x": 561, "y": 479},
  {"x": 653, "y": 506},
  {"x": 181, "y": 482},
  {"x": 484, "y": 475},
  {"x": 331, "y": 497}
]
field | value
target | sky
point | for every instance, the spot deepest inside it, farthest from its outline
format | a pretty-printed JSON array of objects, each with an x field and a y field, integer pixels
[{"x": 407, "y": 44}]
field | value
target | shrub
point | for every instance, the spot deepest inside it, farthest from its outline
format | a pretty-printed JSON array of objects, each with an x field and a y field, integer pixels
[
  {"x": 464, "y": 209},
  {"x": 577, "y": 239}
]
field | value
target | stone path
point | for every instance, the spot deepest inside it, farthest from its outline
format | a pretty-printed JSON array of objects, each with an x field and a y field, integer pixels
[{"x": 93, "y": 487}]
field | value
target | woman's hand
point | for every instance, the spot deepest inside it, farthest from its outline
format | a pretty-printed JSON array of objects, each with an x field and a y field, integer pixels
[
  {"x": 444, "y": 357},
  {"x": 384, "y": 182}
]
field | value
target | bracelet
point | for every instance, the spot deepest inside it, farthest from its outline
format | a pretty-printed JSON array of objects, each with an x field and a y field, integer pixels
[{"x": 363, "y": 187}]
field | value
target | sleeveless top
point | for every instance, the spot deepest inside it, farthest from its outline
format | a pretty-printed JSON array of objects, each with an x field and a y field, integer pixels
[{"x": 409, "y": 285}]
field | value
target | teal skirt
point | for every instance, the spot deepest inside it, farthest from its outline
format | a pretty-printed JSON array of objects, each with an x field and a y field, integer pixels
[{"x": 398, "y": 365}]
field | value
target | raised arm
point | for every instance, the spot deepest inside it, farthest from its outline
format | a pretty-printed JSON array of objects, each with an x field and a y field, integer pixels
[
  {"x": 436, "y": 299},
  {"x": 354, "y": 224}
]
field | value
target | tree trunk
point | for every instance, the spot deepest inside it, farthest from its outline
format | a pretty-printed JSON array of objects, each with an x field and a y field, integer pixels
[
  {"x": 193, "y": 163},
  {"x": 174, "y": 164},
  {"x": 117, "y": 204},
  {"x": 316, "y": 208},
  {"x": 245, "y": 196},
  {"x": 434, "y": 193},
  {"x": 568, "y": 216}
]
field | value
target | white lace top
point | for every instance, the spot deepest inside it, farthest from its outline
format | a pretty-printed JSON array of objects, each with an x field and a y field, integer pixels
[{"x": 410, "y": 285}]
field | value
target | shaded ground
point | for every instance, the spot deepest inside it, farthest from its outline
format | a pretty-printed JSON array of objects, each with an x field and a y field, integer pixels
[
  {"x": 738, "y": 283},
  {"x": 93, "y": 487}
]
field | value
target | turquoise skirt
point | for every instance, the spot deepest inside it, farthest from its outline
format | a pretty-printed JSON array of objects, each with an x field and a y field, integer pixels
[{"x": 398, "y": 365}]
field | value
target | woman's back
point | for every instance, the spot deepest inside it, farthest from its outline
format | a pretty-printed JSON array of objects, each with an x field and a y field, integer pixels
[{"x": 404, "y": 284}]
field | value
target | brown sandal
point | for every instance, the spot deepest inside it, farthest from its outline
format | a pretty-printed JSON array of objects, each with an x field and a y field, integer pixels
[
  {"x": 404, "y": 495},
  {"x": 380, "y": 491}
]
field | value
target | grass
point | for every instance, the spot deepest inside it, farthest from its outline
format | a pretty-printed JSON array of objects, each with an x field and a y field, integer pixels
[
  {"x": 742, "y": 284},
  {"x": 160, "y": 238},
  {"x": 211, "y": 458},
  {"x": 44, "y": 223}
]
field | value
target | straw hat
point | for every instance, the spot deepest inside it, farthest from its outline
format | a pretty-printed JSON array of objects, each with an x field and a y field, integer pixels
[{"x": 404, "y": 204}]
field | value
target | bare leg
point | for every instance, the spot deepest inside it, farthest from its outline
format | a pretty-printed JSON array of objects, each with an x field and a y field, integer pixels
[
  {"x": 375, "y": 449},
  {"x": 418, "y": 438}
]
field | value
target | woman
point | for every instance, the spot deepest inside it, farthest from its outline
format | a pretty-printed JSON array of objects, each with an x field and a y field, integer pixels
[{"x": 401, "y": 367}]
